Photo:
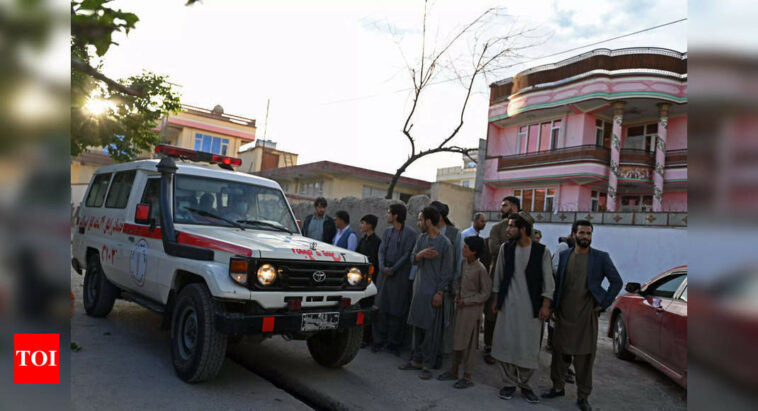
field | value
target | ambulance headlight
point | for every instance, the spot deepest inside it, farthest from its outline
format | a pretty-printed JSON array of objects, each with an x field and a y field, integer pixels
[{"x": 266, "y": 274}]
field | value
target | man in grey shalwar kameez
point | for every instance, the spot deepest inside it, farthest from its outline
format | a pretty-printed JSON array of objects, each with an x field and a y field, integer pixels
[
  {"x": 393, "y": 294},
  {"x": 433, "y": 255},
  {"x": 524, "y": 285},
  {"x": 448, "y": 304}
]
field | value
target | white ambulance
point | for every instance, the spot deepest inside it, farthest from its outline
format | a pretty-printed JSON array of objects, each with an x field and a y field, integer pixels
[{"x": 220, "y": 255}]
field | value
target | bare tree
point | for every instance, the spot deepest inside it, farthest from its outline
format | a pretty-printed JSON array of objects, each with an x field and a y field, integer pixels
[{"x": 487, "y": 56}]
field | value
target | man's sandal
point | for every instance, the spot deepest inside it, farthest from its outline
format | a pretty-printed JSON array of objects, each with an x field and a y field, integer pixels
[
  {"x": 463, "y": 383},
  {"x": 425, "y": 375},
  {"x": 410, "y": 367},
  {"x": 447, "y": 376}
]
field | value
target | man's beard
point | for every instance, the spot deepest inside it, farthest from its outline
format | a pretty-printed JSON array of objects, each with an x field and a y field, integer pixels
[
  {"x": 515, "y": 237},
  {"x": 504, "y": 214},
  {"x": 583, "y": 242}
]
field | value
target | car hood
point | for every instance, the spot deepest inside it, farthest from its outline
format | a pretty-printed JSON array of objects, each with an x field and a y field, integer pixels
[{"x": 273, "y": 244}]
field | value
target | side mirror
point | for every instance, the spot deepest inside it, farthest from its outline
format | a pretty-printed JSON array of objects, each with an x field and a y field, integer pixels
[
  {"x": 142, "y": 215},
  {"x": 633, "y": 287}
]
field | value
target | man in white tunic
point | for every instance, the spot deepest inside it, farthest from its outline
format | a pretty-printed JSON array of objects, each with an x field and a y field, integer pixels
[{"x": 522, "y": 289}]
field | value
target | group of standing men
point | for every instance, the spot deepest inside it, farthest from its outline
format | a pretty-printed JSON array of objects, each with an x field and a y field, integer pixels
[{"x": 436, "y": 282}]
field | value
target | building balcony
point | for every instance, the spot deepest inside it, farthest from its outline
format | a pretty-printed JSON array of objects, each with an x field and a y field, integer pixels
[
  {"x": 588, "y": 154},
  {"x": 568, "y": 155}
]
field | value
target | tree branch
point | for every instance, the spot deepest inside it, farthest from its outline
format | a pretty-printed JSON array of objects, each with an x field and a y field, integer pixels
[{"x": 85, "y": 68}]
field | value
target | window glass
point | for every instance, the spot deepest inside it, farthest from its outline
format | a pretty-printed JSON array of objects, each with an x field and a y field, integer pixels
[
  {"x": 251, "y": 205},
  {"x": 151, "y": 196},
  {"x": 97, "y": 191},
  {"x": 526, "y": 202},
  {"x": 683, "y": 297},
  {"x": 121, "y": 186},
  {"x": 666, "y": 287},
  {"x": 539, "y": 200}
]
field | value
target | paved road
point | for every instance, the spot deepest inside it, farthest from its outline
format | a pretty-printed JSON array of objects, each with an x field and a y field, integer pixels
[{"x": 126, "y": 363}]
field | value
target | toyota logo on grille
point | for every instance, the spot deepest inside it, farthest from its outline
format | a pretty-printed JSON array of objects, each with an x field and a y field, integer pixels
[{"x": 319, "y": 276}]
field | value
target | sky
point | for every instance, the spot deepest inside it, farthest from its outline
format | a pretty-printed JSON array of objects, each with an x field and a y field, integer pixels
[{"x": 335, "y": 71}]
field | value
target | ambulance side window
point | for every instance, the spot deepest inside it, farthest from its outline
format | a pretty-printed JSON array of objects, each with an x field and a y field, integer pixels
[
  {"x": 121, "y": 186},
  {"x": 97, "y": 191},
  {"x": 151, "y": 196}
]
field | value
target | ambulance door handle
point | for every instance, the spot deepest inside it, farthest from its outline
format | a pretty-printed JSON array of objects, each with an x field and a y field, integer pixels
[
  {"x": 131, "y": 238},
  {"x": 81, "y": 230}
]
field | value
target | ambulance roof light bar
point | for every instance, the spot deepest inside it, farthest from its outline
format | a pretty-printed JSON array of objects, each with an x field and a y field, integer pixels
[{"x": 193, "y": 155}]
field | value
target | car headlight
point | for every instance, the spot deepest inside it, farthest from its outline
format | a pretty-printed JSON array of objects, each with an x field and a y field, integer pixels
[
  {"x": 354, "y": 276},
  {"x": 266, "y": 274}
]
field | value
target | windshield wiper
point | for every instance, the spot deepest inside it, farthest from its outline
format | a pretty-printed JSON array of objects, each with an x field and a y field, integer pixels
[
  {"x": 207, "y": 214},
  {"x": 267, "y": 224}
]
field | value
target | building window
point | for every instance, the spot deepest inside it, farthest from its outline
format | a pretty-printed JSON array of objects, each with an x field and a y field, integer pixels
[
  {"x": 522, "y": 139},
  {"x": 630, "y": 203},
  {"x": 536, "y": 199},
  {"x": 555, "y": 131},
  {"x": 285, "y": 187},
  {"x": 312, "y": 189},
  {"x": 210, "y": 144},
  {"x": 466, "y": 183},
  {"x": 539, "y": 137},
  {"x": 641, "y": 137},
  {"x": 599, "y": 201},
  {"x": 373, "y": 192},
  {"x": 603, "y": 130}
]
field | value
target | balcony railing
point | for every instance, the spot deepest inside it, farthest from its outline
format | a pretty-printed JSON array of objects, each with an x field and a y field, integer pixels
[
  {"x": 635, "y": 157},
  {"x": 676, "y": 158},
  {"x": 588, "y": 153}
]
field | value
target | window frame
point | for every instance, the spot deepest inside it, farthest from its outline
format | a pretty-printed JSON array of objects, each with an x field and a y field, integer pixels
[
  {"x": 111, "y": 186},
  {"x": 520, "y": 196},
  {"x": 92, "y": 186},
  {"x": 148, "y": 180},
  {"x": 652, "y": 288}
]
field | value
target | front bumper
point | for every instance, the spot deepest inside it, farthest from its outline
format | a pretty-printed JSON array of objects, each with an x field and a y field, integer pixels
[{"x": 289, "y": 322}]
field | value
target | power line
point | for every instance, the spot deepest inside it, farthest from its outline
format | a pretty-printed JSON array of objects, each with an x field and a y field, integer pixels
[{"x": 514, "y": 64}]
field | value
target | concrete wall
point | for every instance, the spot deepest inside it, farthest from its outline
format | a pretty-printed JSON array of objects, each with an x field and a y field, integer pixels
[
  {"x": 639, "y": 253},
  {"x": 459, "y": 199},
  {"x": 358, "y": 207}
]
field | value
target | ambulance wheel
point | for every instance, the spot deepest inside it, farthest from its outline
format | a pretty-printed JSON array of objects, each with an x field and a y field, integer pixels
[
  {"x": 99, "y": 293},
  {"x": 335, "y": 348},
  {"x": 197, "y": 348}
]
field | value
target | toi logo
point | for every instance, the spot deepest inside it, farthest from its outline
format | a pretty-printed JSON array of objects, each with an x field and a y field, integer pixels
[{"x": 36, "y": 359}]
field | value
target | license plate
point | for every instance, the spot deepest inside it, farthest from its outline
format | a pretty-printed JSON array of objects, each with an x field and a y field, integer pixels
[{"x": 320, "y": 321}]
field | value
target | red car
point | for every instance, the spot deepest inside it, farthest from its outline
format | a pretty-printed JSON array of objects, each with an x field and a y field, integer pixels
[{"x": 650, "y": 322}]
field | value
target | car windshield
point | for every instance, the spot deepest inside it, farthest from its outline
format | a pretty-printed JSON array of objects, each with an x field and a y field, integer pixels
[{"x": 207, "y": 201}]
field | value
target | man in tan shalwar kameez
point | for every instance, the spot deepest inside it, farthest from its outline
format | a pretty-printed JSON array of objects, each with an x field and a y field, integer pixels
[{"x": 472, "y": 290}]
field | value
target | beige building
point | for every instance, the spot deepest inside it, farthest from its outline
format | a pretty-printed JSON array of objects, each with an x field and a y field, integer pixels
[
  {"x": 194, "y": 128},
  {"x": 464, "y": 176},
  {"x": 211, "y": 131},
  {"x": 334, "y": 180},
  {"x": 263, "y": 155},
  {"x": 305, "y": 182}
]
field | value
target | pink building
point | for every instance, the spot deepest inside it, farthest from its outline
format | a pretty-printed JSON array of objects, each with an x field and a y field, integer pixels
[{"x": 603, "y": 131}]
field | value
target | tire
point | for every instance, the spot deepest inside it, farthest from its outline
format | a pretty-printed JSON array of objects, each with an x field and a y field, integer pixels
[
  {"x": 620, "y": 339},
  {"x": 335, "y": 348},
  {"x": 99, "y": 293},
  {"x": 197, "y": 348}
]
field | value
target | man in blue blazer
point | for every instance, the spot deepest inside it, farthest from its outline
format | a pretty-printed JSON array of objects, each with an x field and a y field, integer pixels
[{"x": 578, "y": 300}]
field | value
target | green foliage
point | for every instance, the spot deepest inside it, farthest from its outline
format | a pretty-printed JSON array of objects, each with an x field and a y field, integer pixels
[{"x": 137, "y": 103}]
